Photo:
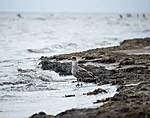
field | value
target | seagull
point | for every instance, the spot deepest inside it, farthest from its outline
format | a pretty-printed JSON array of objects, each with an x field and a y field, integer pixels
[{"x": 79, "y": 72}]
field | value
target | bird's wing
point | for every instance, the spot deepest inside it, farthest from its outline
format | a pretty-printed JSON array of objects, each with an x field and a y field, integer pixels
[{"x": 84, "y": 73}]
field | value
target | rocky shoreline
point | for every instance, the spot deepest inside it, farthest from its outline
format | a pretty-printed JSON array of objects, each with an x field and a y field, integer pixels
[{"x": 127, "y": 66}]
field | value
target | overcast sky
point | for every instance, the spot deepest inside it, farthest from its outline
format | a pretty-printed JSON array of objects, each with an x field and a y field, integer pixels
[{"x": 139, "y": 6}]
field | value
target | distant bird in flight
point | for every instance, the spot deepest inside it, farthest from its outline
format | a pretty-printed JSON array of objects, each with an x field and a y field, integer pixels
[{"x": 79, "y": 72}]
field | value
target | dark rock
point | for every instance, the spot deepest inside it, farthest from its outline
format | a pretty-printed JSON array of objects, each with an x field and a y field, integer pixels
[
  {"x": 108, "y": 60},
  {"x": 61, "y": 68},
  {"x": 100, "y": 73},
  {"x": 134, "y": 44},
  {"x": 131, "y": 101},
  {"x": 41, "y": 115},
  {"x": 44, "y": 79},
  {"x": 127, "y": 61},
  {"x": 136, "y": 68},
  {"x": 14, "y": 83},
  {"x": 103, "y": 59},
  {"x": 89, "y": 80},
  {"x": 7, "y": 83},
  {"x": 95, "y": 92},
  {"x": 72, "y": 95},
  {"x": 119, "y": 97},
  {"x": 34, "y": 115},
  {"x": 78, "y": 113},
  {"x": 99, "y": 90},
  {"x": 25, "y": 70},
  {"x": 124, "y": 109},
  {"x": 120, "y": 88}
]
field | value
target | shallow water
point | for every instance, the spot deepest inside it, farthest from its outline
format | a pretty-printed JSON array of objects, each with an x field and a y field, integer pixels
[
  {"x": 23, "y": 104},
  {"x": 24, "y": 40}
]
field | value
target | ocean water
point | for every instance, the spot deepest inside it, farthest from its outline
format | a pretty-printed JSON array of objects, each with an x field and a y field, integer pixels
[{"x": 24, "y": 40}]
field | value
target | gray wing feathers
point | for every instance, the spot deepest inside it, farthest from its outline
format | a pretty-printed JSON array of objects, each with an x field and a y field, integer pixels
[{"x": 81, "y": 72}]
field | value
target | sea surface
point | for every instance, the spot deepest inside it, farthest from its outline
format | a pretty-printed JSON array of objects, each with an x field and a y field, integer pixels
[{"x": 25, "y": 38}]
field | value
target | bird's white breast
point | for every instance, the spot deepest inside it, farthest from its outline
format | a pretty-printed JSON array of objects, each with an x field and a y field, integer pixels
[{"x": 74, "y": 67}]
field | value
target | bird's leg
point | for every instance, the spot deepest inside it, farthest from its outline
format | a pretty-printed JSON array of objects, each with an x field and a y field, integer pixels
[
  {"x": 81, "y": 82},
  {"x": 78, "y": 82}
]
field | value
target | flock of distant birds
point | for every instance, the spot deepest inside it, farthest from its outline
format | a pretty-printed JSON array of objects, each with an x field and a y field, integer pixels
[
  {"x": 121, "y": 16},
  {"x": 130, "y": 15}
]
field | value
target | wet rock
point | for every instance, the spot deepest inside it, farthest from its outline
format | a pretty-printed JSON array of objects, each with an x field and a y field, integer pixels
[
  {"x": 138, "y": 43},
  {"x": 100, "y": 73},
  {"x": 41, "y": 115},
  {"x": 127, "y": 61},
  {"x": 116, "y": 81},
  {"x": 99, "y": 90},
  {"x": 25, "y": 70},
  {"x": 102, "y": 59},
  {"x": 136, "y": 68},
  {"x": 120, "y": 87},
  {"x": 108, "y": 60},
  {"x": 72, "y": 95},
  {"x": 95, "y": 92},
  {"x": 61, "y": 68},
  {"x": 125, "y": 104},
  {"x": 44, "y": 79},
  {"x": 89, "y": 80},
  {"x": 7, "y": 83},
  {"x": 14, "y": 83},
  {"x": 78, "y": 113},
  {"x": 130, "y": 101}
]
